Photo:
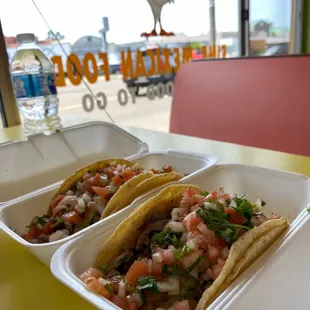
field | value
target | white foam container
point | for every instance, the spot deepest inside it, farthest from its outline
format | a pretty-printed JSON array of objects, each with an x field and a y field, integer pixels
[
  {"x": 285, "y": 193},
  {"x": 42, "y": 160},
  {"x": 18, "y": 214}
]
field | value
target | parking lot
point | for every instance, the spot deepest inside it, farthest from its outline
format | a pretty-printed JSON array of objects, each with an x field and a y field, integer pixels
[{"x": 145, "y": 113}]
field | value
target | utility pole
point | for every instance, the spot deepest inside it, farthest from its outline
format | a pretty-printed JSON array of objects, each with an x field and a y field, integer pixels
[{"x": 212, "y": 22}]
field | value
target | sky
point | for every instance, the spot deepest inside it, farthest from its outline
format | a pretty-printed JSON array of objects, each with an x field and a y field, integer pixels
[{"x": 127, "y": 18}]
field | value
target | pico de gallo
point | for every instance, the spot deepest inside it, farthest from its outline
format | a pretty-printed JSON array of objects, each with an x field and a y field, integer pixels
[
  {"x": 176, "y": 259},
  {"x": 83, "y": 204}
]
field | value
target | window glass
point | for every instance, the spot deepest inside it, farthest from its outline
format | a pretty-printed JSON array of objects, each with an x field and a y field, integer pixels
[
  {"x": 270, "y": 27},
  {"x": 80, "y": 28}
]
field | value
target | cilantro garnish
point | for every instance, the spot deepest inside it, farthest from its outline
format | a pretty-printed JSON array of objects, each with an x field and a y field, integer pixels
[
  {"x": 41, "y": 221},
  {"x": 263, "y": 202},
  {"x": 244, "y": 207},
  {"x": 165, "y": 238},
  {"x": 109, "y": 288},
  {"x": 217, "y": 221},
  {"x": 147, "y": 283},
  {"x": 205, "y": 193},
  {"x": 308, "y": 208},
  {"x": 185, "y": 251},
  {"x": 195, "y": 263}
]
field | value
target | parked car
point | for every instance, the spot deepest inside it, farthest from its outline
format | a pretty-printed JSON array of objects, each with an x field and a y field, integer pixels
[{"x": 144, "y": 81}]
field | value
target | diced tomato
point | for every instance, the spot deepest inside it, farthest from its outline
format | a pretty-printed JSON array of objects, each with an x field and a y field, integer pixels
[
  {"x": 167, "y": 255},
  {"x": 156, "y": 268},
  {"x": 155, "y": 171},
  {"x": 188, "y": 198},
  {"x": 167, "y": 169},
  {"x": 190, "y": 259},
  {"x": 138, "y": 269},
  {"x": 34, "y": 232},
  {"x": 127, "y": 174},
  {"x": 98, "y": 288},
  {"x": 120, "y": 302},
  {"x": 216, "y": 270},
  {"x": 56, "y": 202},
  {"x": 213, "y": 195},
  {"x": 221, "y": 243},
  {"x": 131, "y": 304},
  {"x": 182, "y": 305},
  {"x": 91, "y": 272},
  {"x": 101, "y": 191},
  {"x": 117, "y": 180},
  {"x": 94, "y": 181},
  {"x": 191, "y": 221},
  {"x": 213, "y": 254},
  {"x": 190, "y": 192},
  {"x": 235, "y": 217},
  {"x": 110, "y": 172},
  {"x": 47, "y": 229},
  {"x": 72, "y": 217}
]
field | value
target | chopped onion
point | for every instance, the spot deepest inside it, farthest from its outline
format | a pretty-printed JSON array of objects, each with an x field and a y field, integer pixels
[
  {"x": 100, "y": 204},
  {"x": 57, "y": 235},
  {"x": 192, "y": 245},
  {"x": 86, "y": 197},
  {"x": 194, "y": 273},
  {"x": 104, "y": 180},
  {"x": 178, "y": 213},
  {"x": 205, "y": 277},
  {"x": 157, "y": 257},
  {"x": 69, "y": 193},
  {"x": 164, "y": 287},
  {"x": 233, "y": 204},
  {"x": 86, "y": 176},
  {"x": 103, "y": 281},
  {"x": 183, "y": 238},
  {"x": 137, "y": 299},
  {"x": 80, "y": 207},
  {"x": 70, "y": 200},
  {"x": 79, "y": 186},
  {"x": 175, "y": 284},
  {"x": 203, "y": 228},
  {"x": 135, "y": 167},
  {"x": 258, "y": 205},
  {"x": 225, "y": 253},
  {"x": 210, "y": 205},
  {"x": 175, "y": 226},
  {"x": 122, "y": 289}
]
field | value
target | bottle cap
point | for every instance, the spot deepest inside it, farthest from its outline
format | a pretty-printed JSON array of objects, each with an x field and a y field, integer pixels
[{"x": 25, "y": 38}]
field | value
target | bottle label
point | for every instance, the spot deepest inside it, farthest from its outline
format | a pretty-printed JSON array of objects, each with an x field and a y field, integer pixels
[{"x": 34, "y": 85}]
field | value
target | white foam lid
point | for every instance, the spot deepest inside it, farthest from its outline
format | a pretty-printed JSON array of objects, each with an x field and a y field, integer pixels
[{"x": 42, "y": 160}]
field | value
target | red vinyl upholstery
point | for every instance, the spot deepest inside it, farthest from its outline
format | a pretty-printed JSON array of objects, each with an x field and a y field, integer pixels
[{"x": 262, "y": 102}]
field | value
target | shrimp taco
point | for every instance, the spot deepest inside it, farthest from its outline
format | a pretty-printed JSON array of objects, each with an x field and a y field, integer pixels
[
  {"x": 93, "y": 192},
  {"x": 181, "y": 248}
]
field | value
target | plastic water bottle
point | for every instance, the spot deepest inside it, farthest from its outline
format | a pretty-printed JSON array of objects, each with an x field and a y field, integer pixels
[{"x": 34, "y": 86}]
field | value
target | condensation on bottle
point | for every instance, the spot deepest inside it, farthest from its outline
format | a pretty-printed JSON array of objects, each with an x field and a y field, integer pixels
[{"x": 34, "y": 86}]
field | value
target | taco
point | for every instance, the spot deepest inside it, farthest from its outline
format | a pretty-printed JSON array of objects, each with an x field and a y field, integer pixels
[
  {"x": 82, "y": 198},
  {"x": 181, "y": 248}
]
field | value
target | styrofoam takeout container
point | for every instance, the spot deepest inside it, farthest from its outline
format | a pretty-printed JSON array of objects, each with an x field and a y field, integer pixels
[
  {"x": 42, "y": 160},
  {"x": 285, "y": 193},
  {"x": 16, "y": 215}
]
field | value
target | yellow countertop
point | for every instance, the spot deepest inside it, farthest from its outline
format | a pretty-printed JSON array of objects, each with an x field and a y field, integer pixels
[{"x": 26, "y": 284}]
